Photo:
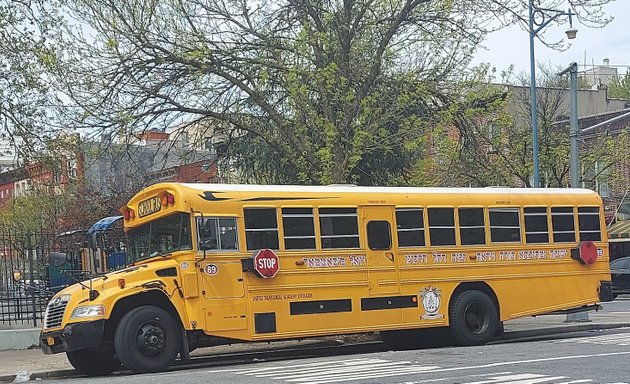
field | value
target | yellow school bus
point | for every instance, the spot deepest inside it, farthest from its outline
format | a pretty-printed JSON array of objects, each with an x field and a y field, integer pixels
[{"x": 258, "y": 263}]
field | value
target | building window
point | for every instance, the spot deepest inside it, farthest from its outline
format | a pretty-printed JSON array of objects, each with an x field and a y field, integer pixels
[
  {"x": 379, "y": 235},
  {"x": 410, "y": 227},
  {"x": 261, "y": 228},
  {"x": 563, "y": 225},
  {"x": 536, "y": 225},
  {"x": 299, "y": 228},
  {"x": 339, "y": 228},
  {"x": 72, "y": 169},
  {"x": 472, "y": 229},
  {"x": 504, "y": 225},
  {"x": 588, "y": 220},
  {"x": 442, "y": 226},
  {"x": 216, "y": 233}
]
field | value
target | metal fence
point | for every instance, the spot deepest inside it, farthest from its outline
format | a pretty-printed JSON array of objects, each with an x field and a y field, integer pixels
[
  {"x": 24, "y": 277},
  {"x": 28, "y": 282}
]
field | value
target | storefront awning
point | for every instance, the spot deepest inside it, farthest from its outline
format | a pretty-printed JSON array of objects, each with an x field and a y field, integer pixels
[{"x": 620, "y": 231}]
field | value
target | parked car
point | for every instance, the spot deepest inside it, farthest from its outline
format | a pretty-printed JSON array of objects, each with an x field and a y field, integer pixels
[{"x": 620, "y": 272}]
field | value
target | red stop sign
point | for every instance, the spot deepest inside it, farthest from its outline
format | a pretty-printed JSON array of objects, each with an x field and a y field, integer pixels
[{"x": 266, "y": 263}]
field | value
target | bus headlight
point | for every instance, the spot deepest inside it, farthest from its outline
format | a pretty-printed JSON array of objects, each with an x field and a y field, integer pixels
[{"x": 88, "y": 311}]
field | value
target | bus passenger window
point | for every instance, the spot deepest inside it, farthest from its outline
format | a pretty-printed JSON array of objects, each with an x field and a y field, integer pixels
[
  {"x": 536, "y": 226},
  {"x": 410, "y": 227},
  {"x": 442, "y": 226},
  {"x": 588, "y": 219},
  {"x": 339, "y": 227},
  {"x": 261, "y": 228},
  {"x": 299, "y": 228},
  {"x": 504, "y": 225},
  {"x": 216, "y": 233},
  {"x": 379, "y": 235},
  {"x": 563, "y": 225},
  {"x": 472, "y": 228}
]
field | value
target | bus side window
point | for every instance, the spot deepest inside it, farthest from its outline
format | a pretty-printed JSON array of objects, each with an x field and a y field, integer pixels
[
  {"x": 299, "y": 228},
  {"x": 217, "y": 233},
  {"x": 536, "y": 226},
  {"x": 563, "y": 224},
  {"x": 442, "y": 226},
  {"x": 339, "y": 227},
  {"x": 504, "y": 225},
  {"x": 472, "y": 229},
  {"x": 410, "y": 227},
  {"x": 261, "y": 228},
  {"x": 588, "y": 219}
]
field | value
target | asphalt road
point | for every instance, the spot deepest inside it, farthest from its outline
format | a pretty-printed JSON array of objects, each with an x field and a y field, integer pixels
[
  {"x": 587, "y": 357},
  {"x": 599, "y": 357}
]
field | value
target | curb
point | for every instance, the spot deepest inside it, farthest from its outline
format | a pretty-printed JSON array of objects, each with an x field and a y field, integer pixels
[{"x": 514, "y": 335}]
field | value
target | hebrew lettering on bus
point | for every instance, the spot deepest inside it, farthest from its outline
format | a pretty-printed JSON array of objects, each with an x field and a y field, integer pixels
[
  {"x": 485, "y": 256},
  {"x": 417, "y": 258},
  {"x": 458, "y": 257},
  {"x": 507, "y": 256},
  {"x": 439, "y": 258},
  {"x": 558, "y": 254},
  {"x": 532, "y": 254},
  {"x": 325, "y": 262},
  {"x": 357, "y": 260}
]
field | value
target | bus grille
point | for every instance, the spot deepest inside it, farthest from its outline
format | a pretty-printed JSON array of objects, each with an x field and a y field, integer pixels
[{"x": 55, "y": 311}]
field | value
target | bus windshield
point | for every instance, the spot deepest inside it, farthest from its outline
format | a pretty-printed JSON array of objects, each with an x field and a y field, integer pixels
[{"x": 160, "y": 237}]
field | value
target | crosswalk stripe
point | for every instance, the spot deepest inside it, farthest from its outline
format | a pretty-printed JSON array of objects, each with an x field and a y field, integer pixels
[{"x": 617, "y": 339}]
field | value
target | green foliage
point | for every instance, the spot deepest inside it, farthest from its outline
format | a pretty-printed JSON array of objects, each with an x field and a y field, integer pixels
[{"x": 619, "y": 87}]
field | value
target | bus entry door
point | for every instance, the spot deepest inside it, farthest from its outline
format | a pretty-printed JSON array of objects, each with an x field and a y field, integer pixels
[
  {"x": 381, "y": 251},
  {"x": 223, "y": 295}
]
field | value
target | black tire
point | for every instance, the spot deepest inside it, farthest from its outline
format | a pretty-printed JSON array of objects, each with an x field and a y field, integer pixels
[
  {"x": 94, "y": 362},
  {"x": 614, "y": 296},
  {"x": 474, "y": 318},
  {"x": 147, "y": 339}
]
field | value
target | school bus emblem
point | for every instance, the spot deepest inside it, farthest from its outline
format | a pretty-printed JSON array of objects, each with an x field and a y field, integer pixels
[
  {"x": 431, "y": 298},
  {"x": 149, "y": 206}
]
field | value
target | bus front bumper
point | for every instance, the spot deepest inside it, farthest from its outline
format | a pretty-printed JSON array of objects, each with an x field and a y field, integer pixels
[{"x": 72, "y": 337}]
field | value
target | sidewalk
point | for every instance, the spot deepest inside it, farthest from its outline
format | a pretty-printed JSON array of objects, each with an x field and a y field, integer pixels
[{"x": 46, "y": 366}]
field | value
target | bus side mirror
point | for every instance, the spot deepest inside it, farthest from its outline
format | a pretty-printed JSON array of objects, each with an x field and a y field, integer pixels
[{"x": 56, "y": 259}]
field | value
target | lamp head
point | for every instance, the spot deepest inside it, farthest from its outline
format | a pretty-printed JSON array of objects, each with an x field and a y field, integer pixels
[{"x": 571, "y": 33}]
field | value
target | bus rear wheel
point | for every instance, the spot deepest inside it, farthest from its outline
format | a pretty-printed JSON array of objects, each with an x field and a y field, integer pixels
[
  {"x": 474, "y": 318},
  {"x": 94, "y": 362},
  {"x": 147, "y": 339}
]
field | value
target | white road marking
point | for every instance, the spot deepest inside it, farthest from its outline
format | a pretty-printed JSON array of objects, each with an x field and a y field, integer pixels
[
  {"x": 362, "y": 369},
  {"x": 622, "y": 339}
]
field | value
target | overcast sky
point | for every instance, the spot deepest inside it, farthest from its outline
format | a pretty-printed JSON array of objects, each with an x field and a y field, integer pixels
[{"x": 511, "y": 45}]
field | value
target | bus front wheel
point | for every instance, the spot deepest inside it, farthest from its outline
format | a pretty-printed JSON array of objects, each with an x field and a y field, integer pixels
[
  {"x": 147, "y": 339},
  {"x": 93, "y": 362},
  {"x": 474, "y": 318}
]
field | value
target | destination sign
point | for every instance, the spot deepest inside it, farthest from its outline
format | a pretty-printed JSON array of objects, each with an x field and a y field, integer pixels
[{"x": 147, "y": 207}]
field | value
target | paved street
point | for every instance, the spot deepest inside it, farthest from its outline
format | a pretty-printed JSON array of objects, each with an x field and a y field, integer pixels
[
  {"x": 595, "y": 356},
  {"x": 587, "y": 357}
]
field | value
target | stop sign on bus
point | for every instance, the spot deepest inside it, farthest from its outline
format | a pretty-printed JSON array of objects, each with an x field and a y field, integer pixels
[{"x": 266, "y": 263}]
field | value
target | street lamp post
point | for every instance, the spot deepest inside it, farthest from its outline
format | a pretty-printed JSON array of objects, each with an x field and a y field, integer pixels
[{"x": 538, "y": 19}]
